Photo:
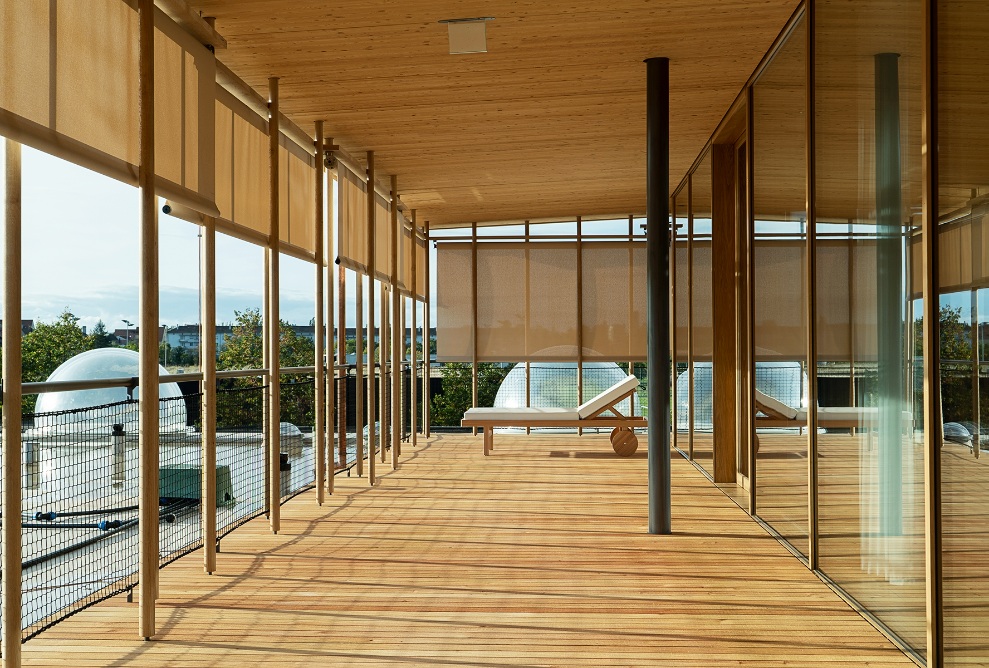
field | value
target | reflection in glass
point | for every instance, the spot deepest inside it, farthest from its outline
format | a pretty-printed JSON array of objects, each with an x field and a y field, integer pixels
[
  {"x": 681, "y": 324},
  {"x": 702, "y": 320},
  {"x": 963, "y": 230},
  {"x": 780, "y": 270},
  {"x": 869, "y": 59}
]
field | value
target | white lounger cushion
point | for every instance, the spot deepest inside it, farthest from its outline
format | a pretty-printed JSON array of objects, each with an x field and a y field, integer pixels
[
  {"x": 523, "y": 414},
  {"x": 778, "y": 406},
  {"x": 608, "y": 397}
]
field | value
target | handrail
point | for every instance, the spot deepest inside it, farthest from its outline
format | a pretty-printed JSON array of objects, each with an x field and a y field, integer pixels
[{"x": 128, "y": 382}]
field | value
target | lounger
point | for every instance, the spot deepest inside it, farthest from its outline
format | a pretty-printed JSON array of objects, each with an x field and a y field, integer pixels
[
  {"x": 778, "y": 414},
  {"x": 591, "y": 414}
]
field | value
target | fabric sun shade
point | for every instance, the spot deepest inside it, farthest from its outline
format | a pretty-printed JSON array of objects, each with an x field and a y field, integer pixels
[
  {"x": 242, "y": 165},
  {"x": 296, "y": 194},
  {"x": 352, "y": 221},
  {"x": 69, "y": 86}
]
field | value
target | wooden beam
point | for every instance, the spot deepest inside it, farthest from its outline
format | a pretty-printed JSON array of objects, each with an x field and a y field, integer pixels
[
  {"x": 207, "y": 362},
  {"x": 273, "y": 318},
  {"x": 319, "y": 437},
  {"x": 148, "y": 334},
  {"x": 371, "y": 412},
  {"x": 203, "y": 29},
  {"x": 397, "y": 333},
  {"x": 10, "y": 454},
  {"x": 723, "y": 308}
]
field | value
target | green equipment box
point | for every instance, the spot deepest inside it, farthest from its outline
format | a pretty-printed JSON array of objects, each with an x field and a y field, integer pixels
[{"x": 182, "y": 481}]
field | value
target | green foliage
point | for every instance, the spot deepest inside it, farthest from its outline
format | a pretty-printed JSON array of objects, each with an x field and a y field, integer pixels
[
  {"x": 48, "y": 346},
  {"x": 448, "y": 407},
  {"x": 101, "y": 338}
]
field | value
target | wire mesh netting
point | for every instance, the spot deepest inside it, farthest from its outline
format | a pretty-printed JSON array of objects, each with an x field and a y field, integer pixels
[
  {"x": 298, "y": 420},
  {"x": 240, "y": 452},
  {"x": 180, "y": 455}
]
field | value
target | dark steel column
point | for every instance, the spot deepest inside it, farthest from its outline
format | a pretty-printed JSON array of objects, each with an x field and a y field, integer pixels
[{"x": 658, "y": 290}]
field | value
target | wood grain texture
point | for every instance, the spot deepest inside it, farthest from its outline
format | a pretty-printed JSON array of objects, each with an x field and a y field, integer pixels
[
  {"x": 723, "y": 284},
  {"x": 549, "y": 122},
  {"x": 538, "y": 556}
]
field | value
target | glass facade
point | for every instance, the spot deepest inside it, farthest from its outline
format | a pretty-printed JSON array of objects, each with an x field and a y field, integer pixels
[{"x": 833, "y": 226}]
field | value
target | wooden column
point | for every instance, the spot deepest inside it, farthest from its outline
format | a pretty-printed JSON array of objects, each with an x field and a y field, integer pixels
[
  {"x": 528, "y": 364},
  {"x": 414, "y": 352},
  {"x": 359, "y": 374},
  {"x": 148, "y": 334},
  {"x": 426, "y": 336},
  {"x": 10, "y": 454},
  {"x": 326, "y": 278},
  {"x": 810, "y": 190},
  {"x": 580, "y": 320},
  {"x": 747, "y": 419},
  {"x": 319, "y": 437},
  {"x": 473, "y": 328},
  {"x": 402, "y": 309},
  {"x": 725, "y": 325},
  {"x": 342, "y": 361},
  {"x": 207, "y": 362},
  {"x": 690, "y": 317},
  {"x": 372, "y": 431},
  {"x": 932, "y": 347},
  {"x": 273, "y": 319},
  {"x": 397, "y": 333},
  {"x": 386, "y": 370}
]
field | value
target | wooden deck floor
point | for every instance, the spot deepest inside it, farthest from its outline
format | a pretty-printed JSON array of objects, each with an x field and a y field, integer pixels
[{"x": 535, "y": 556}]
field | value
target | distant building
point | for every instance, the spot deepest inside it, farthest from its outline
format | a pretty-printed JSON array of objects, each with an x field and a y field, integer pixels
[
  {"x": 27, "y": 326},
  {"x": 131, "y": 335}
]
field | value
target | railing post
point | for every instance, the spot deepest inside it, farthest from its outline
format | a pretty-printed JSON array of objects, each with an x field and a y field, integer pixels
[
  {"x": 326, "y": 277},
  {"x": 371, "y": 408},
  {"x": 342, "y": 361},
  {"x": 359, "y": 378},
  {"x": 386, "y": 369},
  {"x": 11, "y": 451},
  {"x": 274, "y": 322},
  {"x": 396, "y": 333},
  {"x": 427, "y": 367},
  {"x": 414, "y": 351},
  {"x": 148, "y": 335},
  {"x": 473, "y": 327}
]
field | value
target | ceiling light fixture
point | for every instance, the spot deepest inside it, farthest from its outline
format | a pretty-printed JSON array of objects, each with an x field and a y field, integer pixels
[{"x": 467, "y": 35}]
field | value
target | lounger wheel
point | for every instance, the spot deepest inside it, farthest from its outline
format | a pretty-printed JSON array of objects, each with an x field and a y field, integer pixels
[{"x": 624, "y": 441}]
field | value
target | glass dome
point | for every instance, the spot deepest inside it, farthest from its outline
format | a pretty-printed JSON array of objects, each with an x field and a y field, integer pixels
[
  {"x": 98, "y": 364},
  {"x": 784, "y": 381},
  {"x": 554, "y": 384}
]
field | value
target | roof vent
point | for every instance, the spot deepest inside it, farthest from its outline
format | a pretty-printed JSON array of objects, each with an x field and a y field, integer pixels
[{"x": 468, "y": 35}]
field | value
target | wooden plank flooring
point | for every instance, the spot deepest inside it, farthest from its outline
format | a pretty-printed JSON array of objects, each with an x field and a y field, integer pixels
[{"x": 535, "y": 556}]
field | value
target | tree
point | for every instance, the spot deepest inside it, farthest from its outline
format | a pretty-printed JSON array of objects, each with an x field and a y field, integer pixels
[
  {"x": 48, "y": 346},
  {"x": 449, "y": 406},
  {"x": 101, "y": 338}
]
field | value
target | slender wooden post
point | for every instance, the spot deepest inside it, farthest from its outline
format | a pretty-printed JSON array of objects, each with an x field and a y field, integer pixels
[
  {"x": 528, "y": 364},
  {"x": 274, "y": 320},
  {"x": 386, "y": 370},
  {"x": 326, "y": 278},
  {"x": 11, "y": 451},
  {"x": 473, "y": 328},
  {"x": 690, "y": 317},
  {"x": 748, "y": 271},
  {"x": 342, "y": 361},
  {"x": 148, "y": 334},
  {"x": 397, "y": 333},
  {"x": 319, "y": 438},
  {"x": 580, "y": 320},
  {"x": 359, "y": 383},
  {"x": 266, "y": 362},
  {"x": 414, "y": 352},
  {"x": 403, "y": 367},
  {"x": 371, "y": 407},
  {"x": 810, "y": 190},
  {"x": 207, "y": 362},
  {"x": 932, "y": 346},
  {"x": 426, "y": 334}
]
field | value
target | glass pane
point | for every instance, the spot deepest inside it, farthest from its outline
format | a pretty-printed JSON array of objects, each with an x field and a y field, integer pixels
[
  {"x": 682, "y": 324},
  {"x": 702, "y": 319},
  {"x": 869, "y": 68},
  {"x": 780, "y": 277},
  {"x": 963, "y": 231}
]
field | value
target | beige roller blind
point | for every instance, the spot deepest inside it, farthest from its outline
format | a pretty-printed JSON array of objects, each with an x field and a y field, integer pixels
[
  {"x": 185, "y": 81},
  {"x": 682, "y": 298},
  {"x": 405, "y": 250},
  {"x": 454, "y": 295},
  {"x": 551, "y": 331},
  {"x": 863, "y": 296},
  {"x": 382, "y": 239},
  {"x": 69, "y": 87},
  {"x": 613, "y": 301},
  {"x": 421, "y": 278},
  {"x": 780, "y": 306},
  {"x": 352, "y": 221},
  {"x": 834, "y": 300},
  {"x": 242, "y": 170},
  {"x": 702, "y": 316},
  {"x": 501, "y": 302},
  {"x": 296, "y": 185}
]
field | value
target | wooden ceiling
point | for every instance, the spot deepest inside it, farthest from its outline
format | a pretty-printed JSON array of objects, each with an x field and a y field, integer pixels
[{"x": 549, "y": 123}]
